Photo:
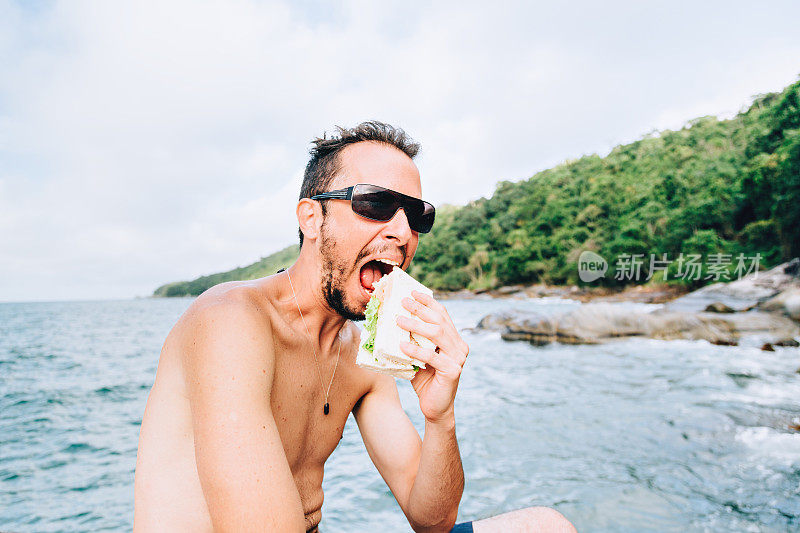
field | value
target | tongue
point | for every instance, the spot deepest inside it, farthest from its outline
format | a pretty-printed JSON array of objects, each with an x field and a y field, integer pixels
[{"x": 369, "y": 274}]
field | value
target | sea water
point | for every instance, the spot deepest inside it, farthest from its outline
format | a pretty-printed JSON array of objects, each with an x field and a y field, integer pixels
[{"x": 633, "y": 435}]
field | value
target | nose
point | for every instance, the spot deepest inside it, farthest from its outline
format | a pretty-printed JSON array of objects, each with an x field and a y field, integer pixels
[{"x": 397, "y": 228}]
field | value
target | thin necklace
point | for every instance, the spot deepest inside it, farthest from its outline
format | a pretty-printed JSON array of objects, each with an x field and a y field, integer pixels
[{"x": 326, "y": 408}]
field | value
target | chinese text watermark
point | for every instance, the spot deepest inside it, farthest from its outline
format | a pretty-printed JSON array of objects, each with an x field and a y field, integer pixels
[{"x": 688, "y": 267}]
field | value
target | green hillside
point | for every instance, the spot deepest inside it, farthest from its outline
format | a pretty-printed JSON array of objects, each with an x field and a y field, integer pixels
[
  {"x": 715, "y": 186},
  {"x": 263, "y": 267}
]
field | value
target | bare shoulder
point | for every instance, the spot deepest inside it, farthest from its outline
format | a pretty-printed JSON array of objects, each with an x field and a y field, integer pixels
[
  {"x": 231, "y": 295},
  {"x": 226, "y": 322},
  {"x": 232, "y": 301}
]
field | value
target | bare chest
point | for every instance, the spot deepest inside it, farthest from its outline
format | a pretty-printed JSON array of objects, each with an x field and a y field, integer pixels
[{"x": 309, "y": 436}]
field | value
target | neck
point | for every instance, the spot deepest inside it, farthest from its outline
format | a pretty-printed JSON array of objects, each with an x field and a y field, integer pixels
[{"x": 322, "y": 321}]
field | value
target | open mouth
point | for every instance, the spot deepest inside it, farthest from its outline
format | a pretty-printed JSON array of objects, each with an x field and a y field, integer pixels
[{"x": 374, "y": 270}]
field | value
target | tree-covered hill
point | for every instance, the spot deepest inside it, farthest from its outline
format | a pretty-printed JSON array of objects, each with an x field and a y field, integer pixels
[
  {"x": 724, "y": 187},
  {"x": 715, "y": 186},
  {"x": 263, "y": 267}
]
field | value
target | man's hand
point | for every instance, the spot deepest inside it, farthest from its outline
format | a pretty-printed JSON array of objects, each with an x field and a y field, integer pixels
[{"x": 436, "y": 384}]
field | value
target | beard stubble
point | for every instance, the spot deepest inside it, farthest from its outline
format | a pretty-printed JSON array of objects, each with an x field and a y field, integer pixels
[{"x": 334, "y": 276}]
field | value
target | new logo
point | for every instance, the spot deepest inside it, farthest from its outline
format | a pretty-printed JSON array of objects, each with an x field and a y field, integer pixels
[{"x": 591, "y": 266}]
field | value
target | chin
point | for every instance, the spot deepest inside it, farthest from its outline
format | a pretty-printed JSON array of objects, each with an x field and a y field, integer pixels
[{"x": 340, "y": 302}]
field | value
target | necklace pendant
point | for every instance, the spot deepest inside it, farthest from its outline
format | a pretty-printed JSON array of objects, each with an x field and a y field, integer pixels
[{"x": 327, "y": 408}]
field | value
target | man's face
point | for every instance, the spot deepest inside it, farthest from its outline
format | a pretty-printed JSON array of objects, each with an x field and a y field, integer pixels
[{"x": 349, "y": 243}]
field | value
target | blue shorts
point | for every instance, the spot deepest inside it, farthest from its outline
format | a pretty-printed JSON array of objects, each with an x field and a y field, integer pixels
[{"x": 463, "y": 527}]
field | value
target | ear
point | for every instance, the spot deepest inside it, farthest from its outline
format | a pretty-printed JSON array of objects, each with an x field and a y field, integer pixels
[{"x": 309, "y": 217}]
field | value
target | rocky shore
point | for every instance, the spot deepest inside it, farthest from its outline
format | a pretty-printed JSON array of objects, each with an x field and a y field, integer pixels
[
  {"x": 766, "y": 305},
  {"x": 639, "y": 293}
]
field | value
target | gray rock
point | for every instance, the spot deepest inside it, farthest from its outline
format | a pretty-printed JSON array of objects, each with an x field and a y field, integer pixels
[
  {"x": 507, "y": 290},
  {"x": 596, "y": 323},
  {"x": 744, "y": 293},
  {"x": 787, "y": 302},
  {"x": 792, "y": 268},
  {"x": 495, "y": 321},
  {"x": 719, "y": 307},
  {"x": 789, "y": 343}
]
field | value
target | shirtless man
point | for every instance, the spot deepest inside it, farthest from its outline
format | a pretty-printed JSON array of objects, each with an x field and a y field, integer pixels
[{"x": 234, "y": 435}]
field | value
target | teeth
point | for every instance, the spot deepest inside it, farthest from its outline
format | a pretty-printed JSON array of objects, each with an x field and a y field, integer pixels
[{"x": 389, "y": 262}]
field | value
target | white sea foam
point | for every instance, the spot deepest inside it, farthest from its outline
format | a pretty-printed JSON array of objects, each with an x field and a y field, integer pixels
[{"x": 768, "y": 442}]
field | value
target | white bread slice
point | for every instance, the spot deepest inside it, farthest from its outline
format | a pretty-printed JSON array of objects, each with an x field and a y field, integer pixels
[
  {"x": 396, "y": 286},
  {"x": 364, "y": 359}
]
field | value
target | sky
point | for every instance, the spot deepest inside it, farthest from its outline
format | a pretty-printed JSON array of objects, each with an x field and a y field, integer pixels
[{"x": 148, "y": 142}]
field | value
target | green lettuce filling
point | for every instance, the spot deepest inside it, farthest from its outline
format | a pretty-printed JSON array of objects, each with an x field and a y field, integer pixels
[{"x": 371, "y": 323}]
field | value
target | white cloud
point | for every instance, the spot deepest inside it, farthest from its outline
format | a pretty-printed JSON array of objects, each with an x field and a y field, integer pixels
[{"x": 155, "y": 141}]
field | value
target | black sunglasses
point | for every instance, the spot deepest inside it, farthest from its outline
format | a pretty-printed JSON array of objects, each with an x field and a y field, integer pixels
[{"x": 378, "y": 203}]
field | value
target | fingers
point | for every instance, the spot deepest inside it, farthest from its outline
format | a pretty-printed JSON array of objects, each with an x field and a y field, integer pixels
[
  {"x": 422, "y": 311},
  {"x": 438, "y": 361},
  {"x": 437, "y": 325},
  {"x": 461, "y": 354},
  {"x": 431, "y": 311},
  {"x": 423, "y": 328},
  {"x": 430, "y": 302}
]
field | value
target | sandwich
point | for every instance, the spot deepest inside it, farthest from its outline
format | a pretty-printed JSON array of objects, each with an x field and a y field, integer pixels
[{"x": 379, "y": 348}]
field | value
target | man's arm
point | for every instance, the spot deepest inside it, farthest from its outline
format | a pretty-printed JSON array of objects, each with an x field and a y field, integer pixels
[
  {"x": 229, "y": 362},
  {"x": 425, "y": 476}
]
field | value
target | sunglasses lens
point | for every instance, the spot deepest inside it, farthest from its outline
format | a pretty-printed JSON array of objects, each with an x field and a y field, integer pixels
[
  {"x": 426, "y": 219},
  {"x": 374, "y": 202},
  {"x": 420, "y": 215},
  {"x": 381, "y": 204}
]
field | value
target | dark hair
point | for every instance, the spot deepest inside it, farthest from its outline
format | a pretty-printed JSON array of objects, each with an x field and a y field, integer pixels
[{"x": 324, "y": 164}]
